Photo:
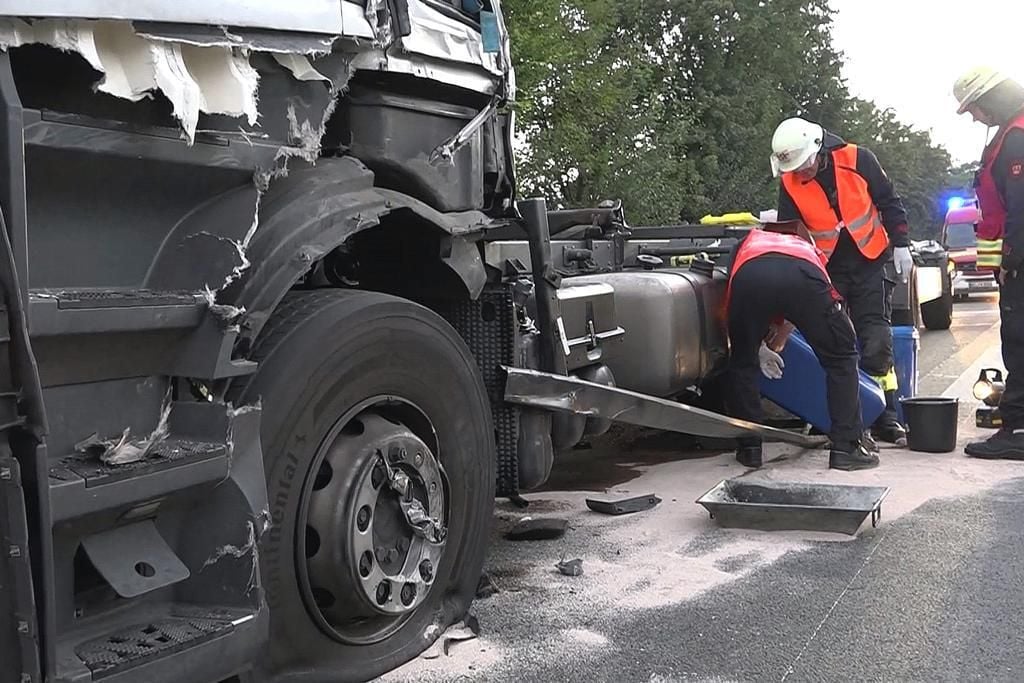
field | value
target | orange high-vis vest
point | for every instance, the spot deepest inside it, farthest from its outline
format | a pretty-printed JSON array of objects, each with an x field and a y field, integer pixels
[{"x": 859, "y": 215}]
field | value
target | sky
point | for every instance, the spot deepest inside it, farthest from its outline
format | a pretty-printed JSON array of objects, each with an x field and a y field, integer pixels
[{"x": 905, "y": 54}]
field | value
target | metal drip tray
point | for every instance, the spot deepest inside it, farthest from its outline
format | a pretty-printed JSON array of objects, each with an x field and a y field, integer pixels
[{"x": 779, "y": 506}]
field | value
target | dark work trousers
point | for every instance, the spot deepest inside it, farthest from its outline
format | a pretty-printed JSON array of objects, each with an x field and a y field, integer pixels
[
  {"x": 867, "y": 288},
  {"x": 773, "y": 286},
  {"x": 1011, "y": 318}
]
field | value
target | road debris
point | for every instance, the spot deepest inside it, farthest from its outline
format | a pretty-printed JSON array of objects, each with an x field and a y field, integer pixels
[
  {"x": 467, "y": 629},
  {"x": 624, "y": 506},
  {"x": 538, "y": 529},
  {"x": 486, "y": 587},
  {"x": 570, "y": 567},
  {"x": 124, "y": 450}
]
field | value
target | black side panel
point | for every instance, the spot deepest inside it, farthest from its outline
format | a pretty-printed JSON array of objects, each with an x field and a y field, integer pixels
[
  {"x": 12, "y": 180},
  {"x": 488, "y": 325},
  {"x": 19, "y": 643}
]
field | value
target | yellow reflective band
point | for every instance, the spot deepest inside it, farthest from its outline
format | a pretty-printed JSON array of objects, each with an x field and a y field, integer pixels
[
  {"x": 888, "y": 382},
  {"x": 990, "y": 253}
]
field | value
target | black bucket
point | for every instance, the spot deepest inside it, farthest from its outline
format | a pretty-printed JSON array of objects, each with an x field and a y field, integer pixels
[{"x": 931, "y": 423}]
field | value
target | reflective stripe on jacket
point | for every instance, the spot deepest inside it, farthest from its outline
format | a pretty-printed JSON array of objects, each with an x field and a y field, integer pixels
[
  {"x": 859, "y": 216},
  {"x": 992, "y": 223}
]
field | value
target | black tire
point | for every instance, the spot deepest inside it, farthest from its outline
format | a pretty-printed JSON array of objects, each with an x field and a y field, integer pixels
[
  {"x": 321, "y": 355},
  {"x": 909, "y": 315},
  {"x": 938, "y": 314}
]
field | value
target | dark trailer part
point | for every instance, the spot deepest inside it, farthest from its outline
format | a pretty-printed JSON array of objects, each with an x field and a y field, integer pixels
[{"x": 596, "y": 401}]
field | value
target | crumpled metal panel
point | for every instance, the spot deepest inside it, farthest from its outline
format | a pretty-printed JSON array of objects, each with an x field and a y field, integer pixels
[
  {"x": 440, "y": 37},
  {"x": 312, "y": 16}
]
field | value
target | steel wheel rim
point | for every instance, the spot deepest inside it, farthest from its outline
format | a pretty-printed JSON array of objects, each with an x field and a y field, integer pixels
[{"x": 363, "y": 568}]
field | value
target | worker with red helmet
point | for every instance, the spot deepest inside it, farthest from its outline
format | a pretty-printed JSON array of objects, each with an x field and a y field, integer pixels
[
  {"x": 996, "y": 100},
  {"x": 777, "y": 277},
  {"x": 857, "y": 219}
]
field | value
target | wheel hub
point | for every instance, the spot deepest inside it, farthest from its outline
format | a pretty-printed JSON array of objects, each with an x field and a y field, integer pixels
[{"x": 376, "y": 527}]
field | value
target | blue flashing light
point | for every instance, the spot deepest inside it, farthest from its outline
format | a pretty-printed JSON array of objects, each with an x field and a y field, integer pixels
[{"x": 955, "y": 203}]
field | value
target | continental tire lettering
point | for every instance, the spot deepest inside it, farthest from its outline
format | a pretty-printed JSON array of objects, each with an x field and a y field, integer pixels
[{"x": 278, "y": 515}]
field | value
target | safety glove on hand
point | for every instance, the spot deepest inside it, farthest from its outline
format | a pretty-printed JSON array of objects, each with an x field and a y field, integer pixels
[
  {"x": 904, "y": 262},
  {"x": 771, "y": 362}
]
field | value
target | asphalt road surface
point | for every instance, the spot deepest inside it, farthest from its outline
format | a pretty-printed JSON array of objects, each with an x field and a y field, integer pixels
[{"x": 932, "y": 594}]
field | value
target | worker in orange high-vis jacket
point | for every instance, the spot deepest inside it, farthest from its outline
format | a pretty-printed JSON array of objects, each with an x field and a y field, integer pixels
[
  {"x": 851, "y": 208},
  {"x": 997, "y": 101},
  {"x": 777, "y": 281}
]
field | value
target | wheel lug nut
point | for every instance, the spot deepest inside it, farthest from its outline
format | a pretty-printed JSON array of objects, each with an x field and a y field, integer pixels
[
  {"x": 383, "y": 592},
  {"x": 363, "y": 518},
  {"x": 377, "y": 477},
  {"x": 366, "y": 564},
  {"x": 433, "y": 487},
  {"x": 426, "y": 571},
  {"x": 408, "y": 593},
  {"x": 418, "y": 459}
]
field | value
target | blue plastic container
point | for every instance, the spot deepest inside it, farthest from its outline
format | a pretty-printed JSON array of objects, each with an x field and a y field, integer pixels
[
  {"x": 802, "y": 392},
  {"x": 906, "y": 342}
]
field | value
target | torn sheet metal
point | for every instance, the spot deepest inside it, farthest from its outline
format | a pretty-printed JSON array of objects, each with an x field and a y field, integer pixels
[
  {"x": 572, "y": 395},
  {"x": 355, "y": 22},
  {"x": 441, "y": 37},
  {"x": 215, "y": 80},
  {"x": 226, "y": 313},
  {"x": 125, "y": 450},
  {"x": 376, "y": 15},
  {"x": 231, "y": 550},
  {"x": 300, "y": 67},
  {"x": 451, "y": 73},
  {"x": 467, "y": 629},
  {"x": 310, "y": 16},
  {"x": 259, "y": 40}
]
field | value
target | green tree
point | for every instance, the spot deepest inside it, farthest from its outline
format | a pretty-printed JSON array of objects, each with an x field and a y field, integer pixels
[
  {"x": 919, "y": 169},
  {"x": 671, "y": 104}
]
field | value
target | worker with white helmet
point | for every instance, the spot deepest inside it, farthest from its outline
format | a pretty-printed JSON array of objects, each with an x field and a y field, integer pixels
[
  {"x": 996, "y": 100},
  {"x": 851, "y": 208}
]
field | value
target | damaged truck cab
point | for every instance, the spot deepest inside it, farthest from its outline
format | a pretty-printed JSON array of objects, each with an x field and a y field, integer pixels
[
  {"x": 241, "y": 438},
  {"x": 277, "y": 332}
]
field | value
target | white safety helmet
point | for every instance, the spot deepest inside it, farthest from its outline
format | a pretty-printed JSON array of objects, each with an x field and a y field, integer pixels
[
  {"x": 975, "y": 83},
  {"x": 794, "y": 144}
]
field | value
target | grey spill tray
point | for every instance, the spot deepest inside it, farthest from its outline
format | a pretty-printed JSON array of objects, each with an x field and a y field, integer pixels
[{"x": 778, "y": 506}]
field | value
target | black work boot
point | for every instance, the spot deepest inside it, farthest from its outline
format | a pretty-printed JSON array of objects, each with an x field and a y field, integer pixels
[
  {"x": 868, "y": 442},
  {"x": 887, "y": 427},
  {"x": 749, "y": 456},
  {"x": 1006, "y": 444},
  {"x": 851, "y": 458}
]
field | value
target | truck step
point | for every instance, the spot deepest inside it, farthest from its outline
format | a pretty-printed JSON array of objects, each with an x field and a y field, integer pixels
[
  {"x": 82, "y": 484},
  {"x": 168, "y": 630},
  {"x": 55, "y": 312},
  {"x": 195, "y": 452}
]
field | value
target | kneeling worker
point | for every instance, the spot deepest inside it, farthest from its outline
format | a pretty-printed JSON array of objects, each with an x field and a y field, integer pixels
[{"x": 778, "y": 277}]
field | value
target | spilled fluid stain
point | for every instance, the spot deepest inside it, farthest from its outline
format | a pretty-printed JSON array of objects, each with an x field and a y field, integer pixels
[{"x": 624, "y": 454}]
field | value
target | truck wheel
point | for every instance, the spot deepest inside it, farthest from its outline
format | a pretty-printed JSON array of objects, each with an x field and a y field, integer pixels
[
  {"x": 938, "y": 314},
  {"x": 380, "y": 463}
]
